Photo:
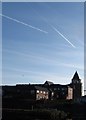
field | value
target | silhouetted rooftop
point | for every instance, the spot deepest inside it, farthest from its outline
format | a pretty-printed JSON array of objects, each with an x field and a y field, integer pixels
[
  {"x": 48, "y": 83},
  {"x": 76, "y": 76}
]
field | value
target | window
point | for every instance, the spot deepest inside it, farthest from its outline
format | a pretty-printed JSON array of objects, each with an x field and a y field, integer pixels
[
  {"x": 40, "y": 91},
  {"x": 77, "y": 81},
  {"x": 55, "y": 88},
  {"x": 32, "y": 91},
  {"x": 46, "y": 97},
  {"x": 37, "y": 91},
  {"x": 38, "y": 97},
  {"x": 52, "y": 93},
  {"x": 63, "y": 88},
  {"x": 58, "y": 88},
  {"x": 47, "y": 93},
  {"x": 44, "y": 92}
]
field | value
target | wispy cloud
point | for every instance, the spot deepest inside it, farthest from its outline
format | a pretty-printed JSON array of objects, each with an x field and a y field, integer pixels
[
  {"x": 23, "y": 23},
  {"x": 76, "y": 66},
  {"x": 41, "y": 60},
  {"x": 34, "y": 76},
  {"x": 62, "y": 36}
]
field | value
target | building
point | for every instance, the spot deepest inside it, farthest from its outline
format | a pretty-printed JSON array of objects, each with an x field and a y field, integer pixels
[
  {"x": 70, "y": 93},
  {"x": 81, "y": 100},
  {"x": 48, "y": 90},
  {"x": 30, "y": 92},
  {"x": 9, "y": 91},
  {"x": 77, "y": 86}
]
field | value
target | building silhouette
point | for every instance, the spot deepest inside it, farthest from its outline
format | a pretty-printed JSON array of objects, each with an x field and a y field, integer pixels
[
  {"x": 48, "y": 90},
  {"x": 77, "y": 86}
]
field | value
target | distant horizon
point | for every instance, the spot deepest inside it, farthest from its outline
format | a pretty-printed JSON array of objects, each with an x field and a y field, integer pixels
[{"x": 42, "y": 83}]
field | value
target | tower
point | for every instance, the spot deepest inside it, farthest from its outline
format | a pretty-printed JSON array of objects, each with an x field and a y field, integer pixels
[{"x": 77, "y": 86}]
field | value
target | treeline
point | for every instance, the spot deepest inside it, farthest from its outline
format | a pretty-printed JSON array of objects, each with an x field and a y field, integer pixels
[
  {"x": 38, "y": 108},
  {"x": 36, "y": 114},
  {"x": 27, "y": 104}
]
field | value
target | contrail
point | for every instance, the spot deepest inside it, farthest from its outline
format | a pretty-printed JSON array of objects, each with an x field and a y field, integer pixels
[
  {"x": 62, "y": 36},
  {"x": 23, "y": 23},
  {"x": 58, "y": 32},
  {"x": 43, "y": 18}
]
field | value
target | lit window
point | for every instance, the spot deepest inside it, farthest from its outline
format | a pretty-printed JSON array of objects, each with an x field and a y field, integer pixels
[
  {"x": 44, "y": 92},
  {"x": 46, "y": 97},
  {"x": 52, "y": 93},
  {"x": 38, "y": 97},
  {"x": 37, "y": 91},
  {"x": 40, "y": 91}
]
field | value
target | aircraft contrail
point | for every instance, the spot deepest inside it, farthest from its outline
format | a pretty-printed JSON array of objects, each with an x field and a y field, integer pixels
[
  {"x": 58, "y": 32},
  {"x": 23, "y": 23},
  {"x": 62, "y": 36},
  {"x": 44, "y": 19}
]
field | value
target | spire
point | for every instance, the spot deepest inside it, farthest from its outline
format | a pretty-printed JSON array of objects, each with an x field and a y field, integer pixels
[{"x": 76, "y": 76}]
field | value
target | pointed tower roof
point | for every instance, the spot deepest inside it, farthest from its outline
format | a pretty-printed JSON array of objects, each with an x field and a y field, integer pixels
[{"x": 76, "y": 76}]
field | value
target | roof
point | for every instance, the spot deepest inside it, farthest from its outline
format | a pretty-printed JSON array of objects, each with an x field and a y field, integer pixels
[
  {"x": 41, "y": 88},
  {"x": 32, "y": 87},
  {"x": 48, "y": 83},
  {"x": 76, "y": 76},
  {"x": 58, "y": 85}
]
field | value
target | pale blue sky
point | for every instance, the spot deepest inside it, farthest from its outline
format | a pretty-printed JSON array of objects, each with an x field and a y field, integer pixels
[
  {"x": 43, "y": 0},
  {"x": 33, "y": 49}
]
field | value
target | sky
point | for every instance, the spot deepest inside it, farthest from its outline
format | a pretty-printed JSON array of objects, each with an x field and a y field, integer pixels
[
  {"x": 43, "y": 0},
  {"x": 42, "y": 41}
]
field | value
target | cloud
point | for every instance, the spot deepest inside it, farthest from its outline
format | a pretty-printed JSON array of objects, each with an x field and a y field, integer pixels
[
  {"x": 44, "y": 60},
  {"x": 76, "y": 66},
  {"x": 28, "y": 76},
  {"x": 23, "y": 23}
]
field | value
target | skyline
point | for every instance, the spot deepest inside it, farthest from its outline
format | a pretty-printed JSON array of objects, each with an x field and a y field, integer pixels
[{"x": 33, "y": 56}]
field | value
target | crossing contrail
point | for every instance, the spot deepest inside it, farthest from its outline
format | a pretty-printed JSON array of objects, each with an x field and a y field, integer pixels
[
  {"x": 58, "y": 32},
  {"x": 63, "y": 36},
  {"x": 44, "y": 19},
  {"x": 23, "y": 23}
]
